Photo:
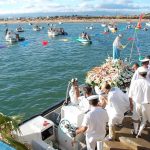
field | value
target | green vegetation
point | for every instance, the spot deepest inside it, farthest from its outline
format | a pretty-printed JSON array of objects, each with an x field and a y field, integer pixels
[{"x": 7, "y": 125}]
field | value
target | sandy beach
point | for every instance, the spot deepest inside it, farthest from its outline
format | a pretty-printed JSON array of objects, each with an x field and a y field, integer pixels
[{"x": 71, "y": 20}]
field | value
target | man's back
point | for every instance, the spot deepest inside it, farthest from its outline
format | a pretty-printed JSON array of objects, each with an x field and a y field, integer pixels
[
  {"x": 140, "y": 91},
  {"x": 118, "y": 101},
  {"x": 96, "y": 120}
]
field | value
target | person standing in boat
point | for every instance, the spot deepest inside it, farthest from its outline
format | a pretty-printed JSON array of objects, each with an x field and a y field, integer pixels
[
  {"x": 117, "y": 105},
  {"x": 74, "y": 92},
  {"x": 145, "y": 64},
  {"x": 135, "y": 66},
  {"x": 83, "y": 100},
  {"x": 94, "y": 123},
  {"x": 139, "y": 94},
  {"x": 117, "y": 46},
  {"x": 6, "y": 31}
]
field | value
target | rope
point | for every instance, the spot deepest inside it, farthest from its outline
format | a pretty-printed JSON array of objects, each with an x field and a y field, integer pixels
[
  {"x": 132, "y": 47},
  {"x": 137, "y": 45}
]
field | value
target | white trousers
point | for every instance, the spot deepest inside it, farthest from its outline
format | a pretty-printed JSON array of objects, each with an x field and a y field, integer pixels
[
  {"x": 141, "y": 112},
  {"x": 91, "y": 144}
]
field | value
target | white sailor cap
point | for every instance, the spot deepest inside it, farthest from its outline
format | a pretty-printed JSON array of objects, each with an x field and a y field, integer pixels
[
  {"x": 144, "y": 60},
  {"x": 142, "y": 70},
  {"x": 92, "y": 97}
]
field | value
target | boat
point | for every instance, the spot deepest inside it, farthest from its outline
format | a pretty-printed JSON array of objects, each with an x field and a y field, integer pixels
[
  {"x": 84, "y": 40},
  {"x": 103, "y": 24},
  {"x": 56, "y": 32},
  {"x": 147, "y": 24},
  {"x": 19, "y": 29},
  {"x": 91, "y": 27},
  {"x": 51, "y": 129},
  {"x": 12, "y": 37},
  {"x": 30, "y": 24},
  {"x": 36, "y": 28}
]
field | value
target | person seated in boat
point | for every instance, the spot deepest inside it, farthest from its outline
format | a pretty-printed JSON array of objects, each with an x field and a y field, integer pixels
[
  {"x": 10, "y": 34},
  {"x": 117, "y": 105},
  {"x": 6, "y": 31},
  {"x": 106, "y": 30},
  {"x": 87, "y": 36},
  {"x": 82, "y": 35},
  {"x": 94, "y": 124},
  {"x": 17, "y": 37},
  {"x": 117, "y": 46}
]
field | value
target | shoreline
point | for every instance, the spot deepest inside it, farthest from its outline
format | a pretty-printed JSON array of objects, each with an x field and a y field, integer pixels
[{"x": 71, "y": 20}]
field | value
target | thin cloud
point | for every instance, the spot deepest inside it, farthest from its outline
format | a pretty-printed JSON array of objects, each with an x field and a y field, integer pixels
[{"x": 28, "y": 6}]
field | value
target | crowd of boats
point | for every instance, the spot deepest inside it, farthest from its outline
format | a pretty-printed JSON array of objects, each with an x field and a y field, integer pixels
[{"x": 53, "y": 31}]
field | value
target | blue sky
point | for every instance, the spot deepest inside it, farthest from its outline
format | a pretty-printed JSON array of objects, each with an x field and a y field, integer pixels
[{"x": 35, "y": 6}]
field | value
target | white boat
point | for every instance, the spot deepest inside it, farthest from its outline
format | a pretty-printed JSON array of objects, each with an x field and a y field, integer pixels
[
  {"x": 90, "y": 27},
  {"x": 30, "y": 24},
  {"x": 84, "y": 40},
  {"x": 10, "y": 37},
  {"x": 56, "y": 31},
  {"x": 51, "y": 129},
  {"x": 147, "y": 24},
  {"x": 103, "y": 25},
  {"x": 112, "y": 28},
  {"x": 19, "y": 29},
  {"x": 36, "y": 28}
]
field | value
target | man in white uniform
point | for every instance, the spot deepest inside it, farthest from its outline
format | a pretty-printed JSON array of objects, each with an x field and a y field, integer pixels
[
  {"x": 145, "y": 64},
  {"x": 94, "y": 123},
  {"x": 117, "y": 105},
  {"x": 140, "y": 101},
  {"x": 81, "y": 100}
]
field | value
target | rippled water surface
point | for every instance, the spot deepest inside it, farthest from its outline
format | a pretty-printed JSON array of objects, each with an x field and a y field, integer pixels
[{"x": 33, "y": 76}]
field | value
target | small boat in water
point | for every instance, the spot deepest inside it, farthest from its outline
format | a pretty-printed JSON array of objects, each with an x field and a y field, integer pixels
[
  {"x": 19, "y": 29},
  {"x": 36, "y": 28},
  {"x": 84, "y": 38},
  {"x": 103, "y": 24},
  {"x": 147, "y": 24},
  {"x": 12, "y": 37},
  {"x": 56, "y": 32}
]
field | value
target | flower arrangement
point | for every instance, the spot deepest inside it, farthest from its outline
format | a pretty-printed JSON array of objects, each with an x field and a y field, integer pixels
[{"x": 115, "y": 72}]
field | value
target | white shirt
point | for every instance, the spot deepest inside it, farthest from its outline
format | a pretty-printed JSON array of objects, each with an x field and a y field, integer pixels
[
  {"x": 83, "y": 103},
  {"x": 95, "y": 120},
  {"x": 140, "y": 91},
  {"x": 117, "y": 42},
  {"x": 97, "y": 90},
  {"x": 137, "y": 76},
  {"x": 118, "y": 102}
]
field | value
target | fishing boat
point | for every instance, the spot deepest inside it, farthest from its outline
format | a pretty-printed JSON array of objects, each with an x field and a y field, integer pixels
[
  {"x": 19, "y": 29},
  {"x": 56, "y": 31},
  {"x": 12, "y": 37},
  {"x": 36, "y": 28}
]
